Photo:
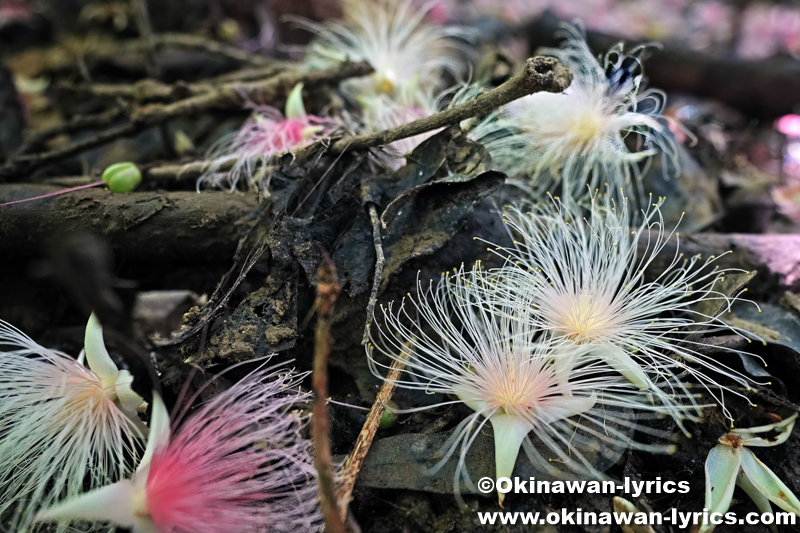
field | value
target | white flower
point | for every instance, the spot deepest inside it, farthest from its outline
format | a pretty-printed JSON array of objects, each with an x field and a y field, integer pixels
[
  {"x": 526, "y": 385},
  {"x": 580, "y": 136},
  {"x": 395, "y": 38},
  {"x": 581, "y": 274},
  {"x": 64, "y": 426},
  {"x": 409, "y": 55},
  {"x": 236, "y": 464}
]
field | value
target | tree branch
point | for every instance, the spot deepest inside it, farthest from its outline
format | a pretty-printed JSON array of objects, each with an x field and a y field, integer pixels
[{"x": 539, "y": 74}]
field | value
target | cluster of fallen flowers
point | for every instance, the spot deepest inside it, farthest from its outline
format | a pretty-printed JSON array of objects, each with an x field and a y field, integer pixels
[
  {"x": 567, "y": 339},
  {"x": 571, "y": 346},
  {"x": 568, "y": 139}
]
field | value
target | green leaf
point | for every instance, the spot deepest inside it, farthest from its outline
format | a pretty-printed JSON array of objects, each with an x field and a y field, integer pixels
[{"x": 768, "y": 322}]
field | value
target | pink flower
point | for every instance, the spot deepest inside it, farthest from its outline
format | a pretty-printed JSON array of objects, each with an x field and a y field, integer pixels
[
  {"x": 789, "y": 125},
  {"x": 237, "y": 464},
  {"x": 268, "y": 133}
]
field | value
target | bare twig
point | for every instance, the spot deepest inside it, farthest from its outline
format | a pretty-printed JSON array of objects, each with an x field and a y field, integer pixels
[
  {"x": 152, "y": 90},
  {"x": 188, "y": 171},
  {"x": 327, "y": 290},
  {"x": 352, "y": 466},
  {"x": 76, "y": 124},
  {"x": 380, "y": 262},
  {"x": 252, "y": 74},
  {"x": 25, "y": 164},
  {"x": 232, "y": 94},
  {"x": 539, "y": 74},
  {"x": 146, "y": 90},
  {"x": 190, "y": 42},
  {"x": 146, "y": 33},
  {"x": 185, "y": 40}
]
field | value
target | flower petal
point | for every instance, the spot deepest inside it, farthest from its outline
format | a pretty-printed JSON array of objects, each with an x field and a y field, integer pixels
[
  {"x": 159, "y": 433},
  {"x": 785, "y": 427},
  {"x": 294, "y": 103},
  {"x": 622, "y": 362},
  {"x": 96, "y": 354},
  {"x": 112, "y": 503},
  {"x": 768, "y": 484},
  {"x": 722, "y": 468},
  {"x": 761, "y": 501},
  {"x": 566, "y": 407},
  {"x": 509, "y": 432},
  {"x": 128, "y": 398}
]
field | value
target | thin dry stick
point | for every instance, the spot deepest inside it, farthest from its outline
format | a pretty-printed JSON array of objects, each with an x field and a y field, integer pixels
[
  {"x": 76, "y": 124},
  {"x": 146, "y": 33},
  {"x": 380, "y": 262},
  {"x": 185, "y": 40},
  {"x": 268, "y": 91},
  {"x": 327, "y": 290},
  {"x": 352, "y": 465},
  {"x": 539, "y": 74},
  {"x": 151, "y": 90}
]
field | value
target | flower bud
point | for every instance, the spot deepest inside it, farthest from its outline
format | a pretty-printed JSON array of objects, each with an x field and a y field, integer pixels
[{"x": 122, "y": 177}]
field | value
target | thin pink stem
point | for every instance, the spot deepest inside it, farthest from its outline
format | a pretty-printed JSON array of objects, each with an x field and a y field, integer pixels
[{"x": 62, "y": 191}]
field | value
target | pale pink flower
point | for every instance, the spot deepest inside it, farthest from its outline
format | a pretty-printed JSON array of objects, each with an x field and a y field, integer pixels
[
  {"x": 236, "y": 464},
  {"x": 581, "y": 270},
  {"x": 397, "y": 40},
  {"x": 63, "y": 426}
]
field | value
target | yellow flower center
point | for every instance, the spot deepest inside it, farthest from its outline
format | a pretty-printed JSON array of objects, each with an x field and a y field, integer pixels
[
  {"x": 583, "y": 128},
  {"x": 582, "y": 318}
]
